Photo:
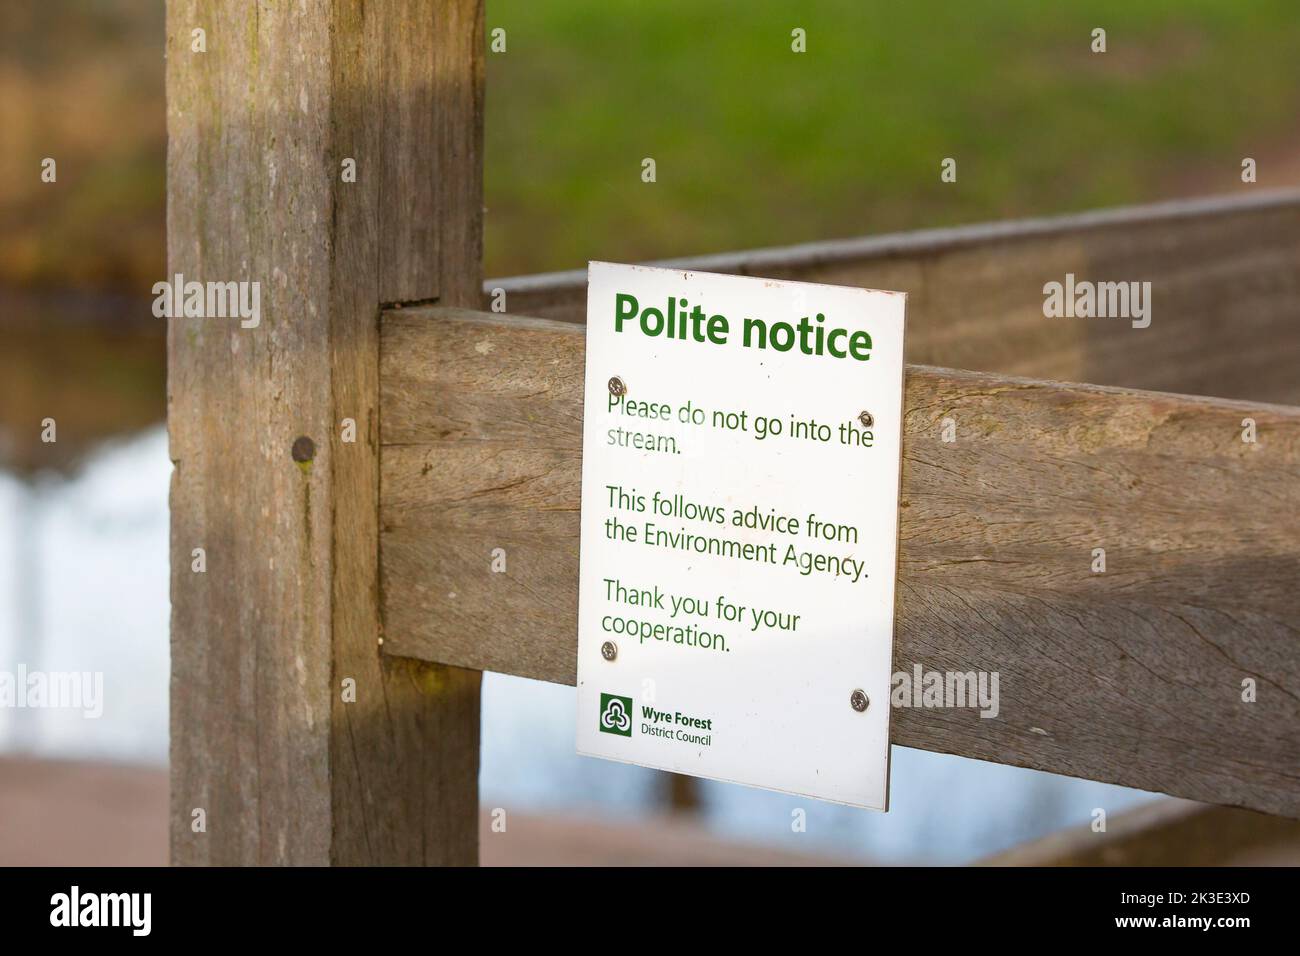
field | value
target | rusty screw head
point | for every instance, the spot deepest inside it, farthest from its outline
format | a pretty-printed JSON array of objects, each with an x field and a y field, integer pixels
[
  {"x": 609, "y": 650},
  {"x": 617, "y": 387},
  {"x": 304, "y": 449},
  {"x": 866, "y": 419},
  {"x": 859, "y": 701}
]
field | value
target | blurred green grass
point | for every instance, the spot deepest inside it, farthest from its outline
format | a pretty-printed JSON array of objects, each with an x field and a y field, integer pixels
[{"x": 757, "y": 145}]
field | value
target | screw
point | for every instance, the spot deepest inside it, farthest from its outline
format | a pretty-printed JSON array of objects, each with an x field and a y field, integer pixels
[
  {"x": 617, "y": 387},
  {"x": 609, "y": 650},
  {"x": 859, "y": 701},
  {"x": 866, "y": 419},
  {"x": 304, "y": 449}
]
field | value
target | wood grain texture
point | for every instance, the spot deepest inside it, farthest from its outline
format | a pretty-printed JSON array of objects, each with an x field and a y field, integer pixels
[
  {"x": 431, "y": 134},
  {"x": 288, "y": 607},
  {"x": 1133, "y": 676},
  {"x": 1225, "y": 277}
]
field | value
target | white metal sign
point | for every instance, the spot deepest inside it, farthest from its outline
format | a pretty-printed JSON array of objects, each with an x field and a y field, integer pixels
[{"x": 741, "y": 449}]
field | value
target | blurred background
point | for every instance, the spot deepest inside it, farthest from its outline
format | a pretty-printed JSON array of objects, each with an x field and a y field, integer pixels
[{"x": 754, "y": 147}]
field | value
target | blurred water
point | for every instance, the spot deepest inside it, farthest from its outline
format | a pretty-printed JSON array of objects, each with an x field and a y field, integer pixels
[{"x": 83, "y": 564}]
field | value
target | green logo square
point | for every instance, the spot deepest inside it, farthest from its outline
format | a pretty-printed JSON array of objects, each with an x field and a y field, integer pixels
[{"x": 616, "y": 715}]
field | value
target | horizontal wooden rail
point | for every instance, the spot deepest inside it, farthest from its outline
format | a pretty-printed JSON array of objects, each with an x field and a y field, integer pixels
[
  {"x": 1165, "y": 833},
  {"x": 1132, "y": 676},
  {"x": 1224, "y": 273}
]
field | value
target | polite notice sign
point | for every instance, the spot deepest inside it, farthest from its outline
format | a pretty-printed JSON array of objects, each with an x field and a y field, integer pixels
[{"x": 740, "y": 473}]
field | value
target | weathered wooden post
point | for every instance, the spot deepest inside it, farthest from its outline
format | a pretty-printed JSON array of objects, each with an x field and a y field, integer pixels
[{"x": 268, "y": 117}]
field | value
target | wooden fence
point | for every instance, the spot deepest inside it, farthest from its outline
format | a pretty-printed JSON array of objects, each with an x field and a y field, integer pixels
[{"x": 332, "y": 561}]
